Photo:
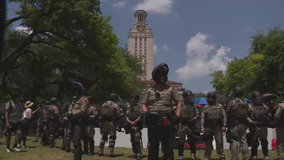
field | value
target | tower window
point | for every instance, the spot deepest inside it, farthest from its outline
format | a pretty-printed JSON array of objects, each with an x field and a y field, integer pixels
[{"x": 135, "y": 39}]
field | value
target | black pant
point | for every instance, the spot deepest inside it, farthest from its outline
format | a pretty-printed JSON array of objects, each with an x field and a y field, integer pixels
[
  {"x": 191, "y": 144},
  {"x": 166, "y": 135},
  {"x": 25, "y": 131},
  {"x": 77, "y": 130},
  {"x": 89, "y": 141}
]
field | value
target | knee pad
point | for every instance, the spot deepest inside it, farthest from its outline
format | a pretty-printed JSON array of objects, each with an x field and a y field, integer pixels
[{"x": 112, "y": 137}]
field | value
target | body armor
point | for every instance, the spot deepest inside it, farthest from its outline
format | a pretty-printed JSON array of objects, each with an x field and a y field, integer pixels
[
  {"x": 134, "y": 113},
  {"x": 258, "y": 112},
  {"x": 188, "y": 111},
  {"x": 213, "y": 113},
  {"x": 239, "y": 110}
]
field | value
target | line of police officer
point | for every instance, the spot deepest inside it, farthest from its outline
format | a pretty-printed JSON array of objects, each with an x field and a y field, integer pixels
[{"x": 161, "y": 119}]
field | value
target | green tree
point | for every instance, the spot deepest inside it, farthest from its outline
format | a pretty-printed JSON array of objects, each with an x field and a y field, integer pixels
[{"x": 68, "y": 41}]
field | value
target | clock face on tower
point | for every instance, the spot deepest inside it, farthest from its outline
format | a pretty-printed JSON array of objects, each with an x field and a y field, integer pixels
[{"x": 141, "y": 27}]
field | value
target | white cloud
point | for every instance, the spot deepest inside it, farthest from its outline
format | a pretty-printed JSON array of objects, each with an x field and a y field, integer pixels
[
  {"x": 156, "y": 6},
  {"x": 23, "y": 30},
  {"x": 155, "y": 48},
  {"x": 119, "y": 4},
  {"x": 199, "y": 63},
  {"x": 165, "y": 48}
]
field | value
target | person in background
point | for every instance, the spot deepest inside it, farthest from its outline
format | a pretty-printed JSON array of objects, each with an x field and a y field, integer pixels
[
  {"x": 27, "y": 116},
  {"x": 13, "y": 114}
]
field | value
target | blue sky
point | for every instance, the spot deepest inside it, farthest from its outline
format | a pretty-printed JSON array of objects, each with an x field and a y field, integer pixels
[{"x": 195, "y": 38}]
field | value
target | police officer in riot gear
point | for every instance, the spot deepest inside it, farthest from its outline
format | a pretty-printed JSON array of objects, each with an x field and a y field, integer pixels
[
  {"x": 237, "y": 114},
  {"x": 189, "y": 115},
  {"x": 213, "y": 123},
  {"x": 135, "y": 123},
  {"x": 258, "y": 116},
  {"x": 158, "y": 106},
  {"x": 76, "y": 115}
]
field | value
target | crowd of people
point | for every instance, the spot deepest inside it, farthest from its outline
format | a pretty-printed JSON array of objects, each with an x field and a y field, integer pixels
[{"x": 163, "y": 112}]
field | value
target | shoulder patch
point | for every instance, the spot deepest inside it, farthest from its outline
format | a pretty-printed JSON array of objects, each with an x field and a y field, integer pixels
[{"x": 85, "y": 99}]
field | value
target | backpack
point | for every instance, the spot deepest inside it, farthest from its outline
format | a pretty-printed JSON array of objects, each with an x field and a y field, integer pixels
[{"x": 107, "y": 109}]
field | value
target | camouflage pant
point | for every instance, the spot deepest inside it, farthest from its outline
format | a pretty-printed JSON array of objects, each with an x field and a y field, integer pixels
[
  {"x": 238, "y": 134},
  {"x": 108, "y": 128},
  {"x": 51, "y": 133},
  {"x": 67, "y": 138},
  {"x": 88, "y": 139},
  {"x": 135, "y": 137},
  {"x": 185, "y": 131},
  {"x": 280, "y": 142},
  {"x": 218, "y": 135},
  {"x": 40, "y": 129}
]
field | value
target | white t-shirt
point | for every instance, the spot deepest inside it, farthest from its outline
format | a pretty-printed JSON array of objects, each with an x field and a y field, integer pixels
[{"x": 26, "y": 113}]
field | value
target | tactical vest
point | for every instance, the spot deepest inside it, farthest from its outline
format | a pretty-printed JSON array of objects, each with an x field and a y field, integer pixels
[
  {"x": 50, "y": 112},
  {"x": 239, "y": 109},
  {"x": 160, "y": 100},
  {"x": 107, "y": 110},
  {"x": 188, "y": 111},
  {"x": 258, "y": 112},
  {"x": 133, "y": 113},
  {"x": 213, "y": 113}
]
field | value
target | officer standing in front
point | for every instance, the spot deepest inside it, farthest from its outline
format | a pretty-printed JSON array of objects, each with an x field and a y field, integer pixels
[
  {"x": 237, "y": 114},
  {"x": 76, "y": 115},
  {"x": 158, "y": 107},
  {"x": 134, "y": 118},
  {"x": 189, "y": 115},
  {"x": 213, "y": 123}
]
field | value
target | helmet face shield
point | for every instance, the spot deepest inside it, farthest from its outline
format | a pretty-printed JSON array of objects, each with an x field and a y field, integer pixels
[{"x": 160, "y": 73}]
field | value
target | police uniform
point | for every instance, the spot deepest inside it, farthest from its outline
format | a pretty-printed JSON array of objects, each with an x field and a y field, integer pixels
[
  {"x": 161, "y": 117},
  {"x": 110, "y": 113},
  {"x": 134, "y": 116},
  {"x": 89, "y": 131},
  {"x": 258, "y": 111},
  {"x": 279, "y": 118},
  {"x": 213, "y": 119},
  {"x": 189, "y": 115},
  {"x": 52, "y": 115},
  {"x": 237, "y": 112}
]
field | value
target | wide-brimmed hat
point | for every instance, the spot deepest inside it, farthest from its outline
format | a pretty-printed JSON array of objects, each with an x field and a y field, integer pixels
[{"x": 28, "y": 104}]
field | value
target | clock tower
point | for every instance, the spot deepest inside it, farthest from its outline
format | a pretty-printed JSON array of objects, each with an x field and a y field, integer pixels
[{"x": 141, "y": 43}]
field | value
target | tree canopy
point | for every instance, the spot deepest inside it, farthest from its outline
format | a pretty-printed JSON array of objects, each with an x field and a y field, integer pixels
[
  {"x": 65, "y": 41},
  {"x": 261, "y": 70}
]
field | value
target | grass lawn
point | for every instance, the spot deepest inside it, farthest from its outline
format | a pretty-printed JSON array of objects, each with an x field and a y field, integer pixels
[{"x": 38, "y": 152}]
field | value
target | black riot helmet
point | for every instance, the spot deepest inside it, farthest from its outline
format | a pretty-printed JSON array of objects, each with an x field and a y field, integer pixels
[
  {"x": 237, "y": 92},
  {"x": 161, "y": 69},
  {"x": 54, "y": 101},
  {"x": 257, "y": 98},
  {"x": 113, "y": 97},
  {"x": 188, "y": 96},
  {"x": 77, "y": 86},
  {"x": 134, "y": 98},
  {"x": 211, "y": 95}
]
